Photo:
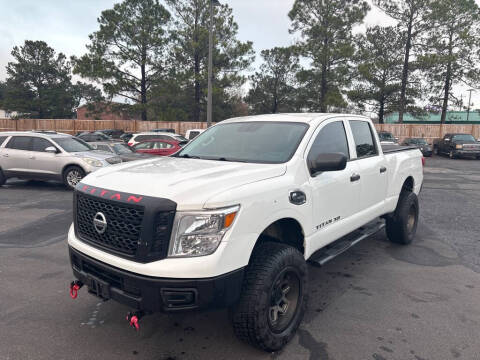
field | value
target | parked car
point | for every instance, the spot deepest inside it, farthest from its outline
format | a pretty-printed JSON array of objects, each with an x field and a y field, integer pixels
[
  {"x": 136, "y": 138},
  {"x": 158, "y": 147},
  {"x": 48, "y": 156},
  {"x": 94, "y": 136},
  {"x": 420, "y": 143},
  {"x": 193, "y": 133},
  {"x": 120, "y": 149},
  {"x": 457, "y": 145},
  {"x": 168, "y": 130},
  {"x": 231, "y": 219},
  {"x": 125, "y": 137},
  {"x": 387, "y": 137},
  {"x": 113, "y": 133}
]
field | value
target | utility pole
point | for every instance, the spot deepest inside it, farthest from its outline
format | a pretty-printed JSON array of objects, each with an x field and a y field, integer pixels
[
  {"x": 469, "y": 102},
  {"x": 210, "y": 63}
]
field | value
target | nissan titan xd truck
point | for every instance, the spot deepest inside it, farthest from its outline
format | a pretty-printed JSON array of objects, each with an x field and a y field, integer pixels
[{"x": 233, "y": 218}]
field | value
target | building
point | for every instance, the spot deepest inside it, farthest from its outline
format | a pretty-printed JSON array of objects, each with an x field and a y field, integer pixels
[
  {"x": 104, "y": 111},
  {"x": 453, "y": 117},
  {"x": 5, "y": 114}
]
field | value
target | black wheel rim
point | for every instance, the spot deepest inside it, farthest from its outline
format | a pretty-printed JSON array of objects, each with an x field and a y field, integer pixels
[{"x": 285, "y": 295}]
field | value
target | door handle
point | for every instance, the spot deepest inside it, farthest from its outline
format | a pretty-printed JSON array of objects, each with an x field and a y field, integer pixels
[
  {"x": 354, "y": 177},
  {"x": 32, "y": 157},
  {"x": 383, "y": 169}
]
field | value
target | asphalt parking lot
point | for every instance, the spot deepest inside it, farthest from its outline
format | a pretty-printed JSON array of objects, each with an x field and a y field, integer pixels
[{"x": 376, "y": 301}]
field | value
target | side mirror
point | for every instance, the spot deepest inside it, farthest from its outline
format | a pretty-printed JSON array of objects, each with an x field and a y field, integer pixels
[
  {"x": 94, "y": 146},
  {"x": 51, "y": 149},
  {"x": 327, "y": 162}
]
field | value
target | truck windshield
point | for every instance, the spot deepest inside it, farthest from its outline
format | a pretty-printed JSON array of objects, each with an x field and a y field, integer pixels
[
  {"x": 253, "y": 142},
  {"x": 463, "y": 137}
]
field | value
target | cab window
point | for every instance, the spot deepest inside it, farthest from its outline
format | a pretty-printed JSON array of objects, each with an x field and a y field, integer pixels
[
  {"x": 363, "y": 137},
  {"x": 19, "y": 143},
  {"x": 331, "y": 139}
]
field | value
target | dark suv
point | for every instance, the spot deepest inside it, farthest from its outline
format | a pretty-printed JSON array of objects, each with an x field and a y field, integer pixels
[{"x": 457, "y": 145}]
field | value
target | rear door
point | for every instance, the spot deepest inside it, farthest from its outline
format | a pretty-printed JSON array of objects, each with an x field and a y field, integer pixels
[
  {"x": 335, "y": 195},
  {"x": 16, "y": 155},
  {"x": 372, "y": 167}
]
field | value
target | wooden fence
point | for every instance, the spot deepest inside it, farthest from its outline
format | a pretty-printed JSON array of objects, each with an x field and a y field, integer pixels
[
  {"x": 70, "y": 126},
  {"x": 428, "y": 131}
]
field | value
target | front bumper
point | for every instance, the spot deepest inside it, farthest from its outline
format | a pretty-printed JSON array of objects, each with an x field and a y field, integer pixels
[
  {"x": 153, "y": 294},
  {"x": 466, "y": 152}
]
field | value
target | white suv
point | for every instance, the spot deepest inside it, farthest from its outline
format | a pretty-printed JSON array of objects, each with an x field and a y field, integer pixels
[{"x": 48, "y": 156}]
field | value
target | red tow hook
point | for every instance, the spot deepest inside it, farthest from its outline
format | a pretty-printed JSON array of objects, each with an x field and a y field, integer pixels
[
  {"x": 74, "y": 287},
  {"x": 134, "y": 317}
]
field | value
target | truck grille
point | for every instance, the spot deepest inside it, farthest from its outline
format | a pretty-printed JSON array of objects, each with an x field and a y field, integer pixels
[
  {"x": 124, "y": 222},
  {"x": 471, "y": 146}
]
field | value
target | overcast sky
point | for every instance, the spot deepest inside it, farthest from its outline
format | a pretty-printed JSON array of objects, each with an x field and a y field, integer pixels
[{"x": 65, "y": 24}]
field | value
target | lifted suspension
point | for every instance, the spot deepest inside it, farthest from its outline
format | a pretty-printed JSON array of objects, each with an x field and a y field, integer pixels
[{"x": 74, "y": 287}]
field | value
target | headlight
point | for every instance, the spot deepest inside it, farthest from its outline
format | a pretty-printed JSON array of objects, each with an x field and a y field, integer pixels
[
  {"x": 93, "y": 162},
  {"x": 200, "y": 233},
  {"x": 458, "y": 146}
]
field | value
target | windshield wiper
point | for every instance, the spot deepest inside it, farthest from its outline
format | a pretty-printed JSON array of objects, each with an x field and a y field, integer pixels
[
  {"x": 225, "y": 159},
  {"x": 186, "y": 156}
]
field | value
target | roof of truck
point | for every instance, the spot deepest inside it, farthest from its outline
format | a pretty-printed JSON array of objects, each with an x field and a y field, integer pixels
[{"x": 291, "y": 117}]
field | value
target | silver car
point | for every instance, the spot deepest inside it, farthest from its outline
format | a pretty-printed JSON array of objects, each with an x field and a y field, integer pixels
[{"x": 48, "y": 156}]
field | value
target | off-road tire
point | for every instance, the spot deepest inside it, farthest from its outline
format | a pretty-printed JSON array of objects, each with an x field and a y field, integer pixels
[
  {"x": 3, "y": 180},
  {"x": 398, "y": 228},
  {"x": 68, "y": 171},
  {"x": 251, "y": 316}
]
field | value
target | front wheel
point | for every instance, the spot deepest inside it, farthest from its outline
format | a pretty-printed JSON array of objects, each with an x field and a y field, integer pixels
[
  {"x": 451, "y": 154},
  {"x": 72, "y": 176},
  {"x": 402, "y": 225},
  {"x": 274, "y": 297}
]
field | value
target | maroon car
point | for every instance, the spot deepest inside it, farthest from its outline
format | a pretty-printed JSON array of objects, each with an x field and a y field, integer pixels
[{"x": 158, "y": 147}]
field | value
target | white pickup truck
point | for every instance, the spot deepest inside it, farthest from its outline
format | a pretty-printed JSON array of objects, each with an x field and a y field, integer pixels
[{"x": 232, "y": 219}]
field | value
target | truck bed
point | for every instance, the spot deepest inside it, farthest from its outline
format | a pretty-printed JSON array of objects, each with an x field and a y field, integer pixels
[{"x": 389, "y": 149}]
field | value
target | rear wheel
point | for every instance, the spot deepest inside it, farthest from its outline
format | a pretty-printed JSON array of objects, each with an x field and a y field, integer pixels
[
  {"x": 72, "y": 176},
  {"x": 402, "y": 225},
  {"x": 274, "y": 296}
]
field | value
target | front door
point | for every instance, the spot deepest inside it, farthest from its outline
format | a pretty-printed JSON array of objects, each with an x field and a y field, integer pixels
[
  {"x": 335, "y": 193},
  {"x": 42, "y": 163}
]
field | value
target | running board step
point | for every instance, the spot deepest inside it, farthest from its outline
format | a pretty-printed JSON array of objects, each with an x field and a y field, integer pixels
[{"x": 322, "y": 256}]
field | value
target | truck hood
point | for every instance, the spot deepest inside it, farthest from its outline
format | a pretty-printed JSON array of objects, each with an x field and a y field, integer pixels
[{"x": 188, "y": 182}]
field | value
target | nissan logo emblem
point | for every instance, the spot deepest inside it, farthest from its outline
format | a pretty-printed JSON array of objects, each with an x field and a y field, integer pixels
[{"x": 100, "y": 223}]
